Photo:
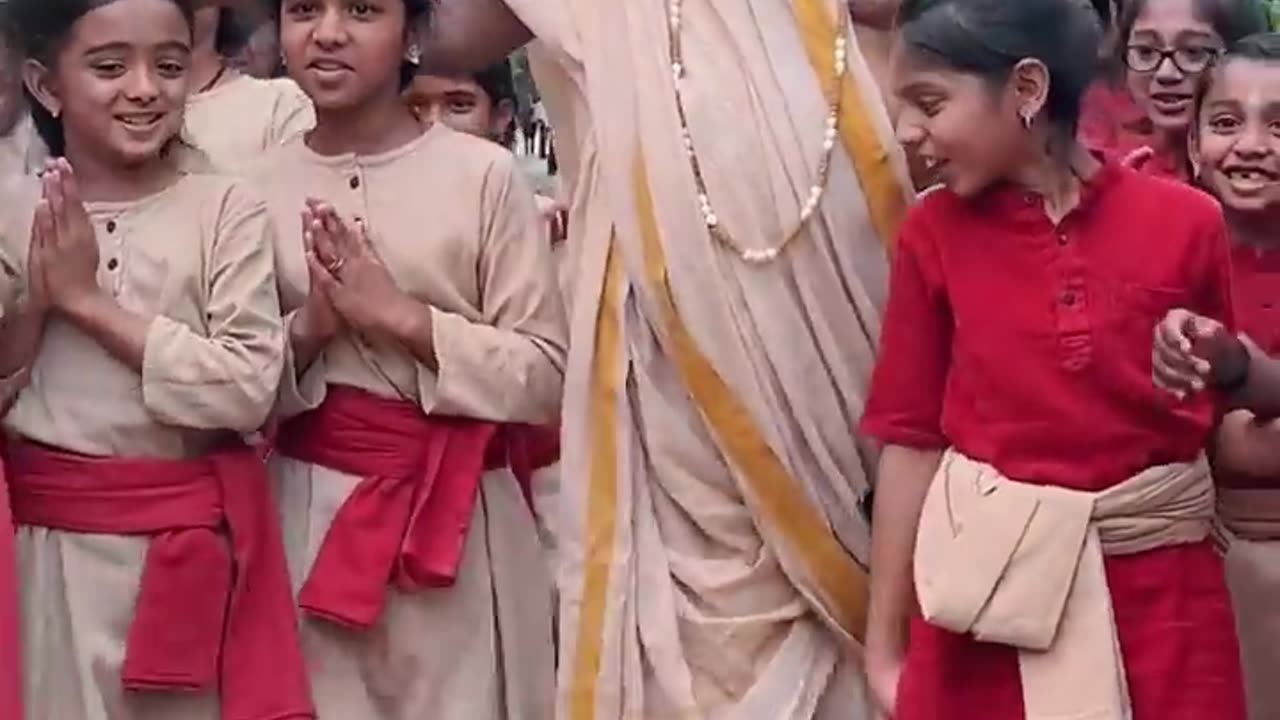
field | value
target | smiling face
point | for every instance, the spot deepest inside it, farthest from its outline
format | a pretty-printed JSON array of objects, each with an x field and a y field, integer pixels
[
  {"x": 119, "y": 81},
  {"x": 1237, "y": 141},
  {"x": 1167, "y": 51},
  {"x": 343, "y": 52},
  {"x": 963, "y": 128}
]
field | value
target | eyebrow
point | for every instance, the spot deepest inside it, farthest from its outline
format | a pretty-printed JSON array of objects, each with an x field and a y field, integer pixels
[
  {"x": 1182, "y": 35},
  {"x": 168, "y": 45}
]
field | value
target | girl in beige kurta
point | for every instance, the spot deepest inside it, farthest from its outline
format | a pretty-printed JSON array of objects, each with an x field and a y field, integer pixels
[
  {"x": 138, "y": 301},
  {"x": 421, "y": 303},
  {"x": 233, "y": 117}
]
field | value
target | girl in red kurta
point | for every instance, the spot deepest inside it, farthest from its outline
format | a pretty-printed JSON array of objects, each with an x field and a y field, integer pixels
[
  {"x": 1236, "y": 148},
  {"x": 1017, "y": 338},
  {"x": 1166, "y": 46}
]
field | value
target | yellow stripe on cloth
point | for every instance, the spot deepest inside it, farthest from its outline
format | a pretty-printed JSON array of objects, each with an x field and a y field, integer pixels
[
  {"x": 840, "y": 582},
  {"x": 602, "y": 492},
  {"x": 885, "y": 195}
]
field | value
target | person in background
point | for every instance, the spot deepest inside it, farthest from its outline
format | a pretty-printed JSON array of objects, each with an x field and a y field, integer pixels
[
  {"x": 426, "y": 335},
  {"x": 231, "y": 116},
  {"x": 21, "y": 150},
  {"x": 139, "y": 296},
  {"x": 1109, "y": 118},
  {"x": 1041, "y": 542},
  {"x": 1166, "y": 46},
  {"x": 484, "y": 105},
  {"x": 725, "y": 308},
  {"x": 259, "y": 55},
  {"x": 1236, "y": 150}
]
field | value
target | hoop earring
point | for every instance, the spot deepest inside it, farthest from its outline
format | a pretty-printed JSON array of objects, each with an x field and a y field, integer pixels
[
  {"x": 1027, "y": 120},
  {"x": 413, "y": 54}
]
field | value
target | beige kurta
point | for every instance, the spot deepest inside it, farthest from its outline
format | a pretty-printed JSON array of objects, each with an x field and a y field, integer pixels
[
  {"x": 710, "y": 515},
  {"x": 196, "y": 260},
  {"x": 455, "y": 223},
  {"x": 243, "y": 117},
  {"x": 22, "y": 152}
]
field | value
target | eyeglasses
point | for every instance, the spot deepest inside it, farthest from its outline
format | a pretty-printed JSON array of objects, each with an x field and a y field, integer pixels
[{"x": 1190, "y": 60}]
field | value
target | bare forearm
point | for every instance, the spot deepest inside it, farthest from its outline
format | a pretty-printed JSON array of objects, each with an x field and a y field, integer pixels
[
  {"x": 305, "y": 344},
  {"x": 412, "y": 326},
  {"x": 903, "y": 481},
  {"x": 20, "y": 340},
  {"x": 1246, "y": 447},
  {"x": 1261, "y": 394},
  {"x": 118, "y": 331},
  {"x": 465, "y": 36}
]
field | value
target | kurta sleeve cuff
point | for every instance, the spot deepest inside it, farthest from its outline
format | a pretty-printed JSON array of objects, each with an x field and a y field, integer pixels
[
  {"x": 488, "y": 373},
  {"x": 891, "y": 433},
  {"x": 191, "y": 381},
  {"x": 300, "y": 393}
]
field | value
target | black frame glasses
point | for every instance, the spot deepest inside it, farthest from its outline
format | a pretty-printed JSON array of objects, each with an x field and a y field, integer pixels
[{"x": 1189, "y": 59}]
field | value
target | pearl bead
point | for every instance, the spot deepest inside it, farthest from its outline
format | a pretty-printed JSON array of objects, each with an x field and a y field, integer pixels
[{"x": 830, "y": 137}]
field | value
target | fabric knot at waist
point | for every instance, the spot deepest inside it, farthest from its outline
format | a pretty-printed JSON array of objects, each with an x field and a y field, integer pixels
[
  {"x": 214, "y": 608},
  {"x": 406, "y": 521},
  {"x": 1022, "y": 565}
]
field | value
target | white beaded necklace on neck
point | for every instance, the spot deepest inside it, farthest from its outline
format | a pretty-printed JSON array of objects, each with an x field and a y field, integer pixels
[{"x": 829, "y": 140}]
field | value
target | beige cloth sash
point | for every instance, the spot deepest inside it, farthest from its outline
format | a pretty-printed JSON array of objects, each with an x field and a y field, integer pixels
[
  {"x": 1022, "y": 565},
  {"x": 1250, "y": 513}
]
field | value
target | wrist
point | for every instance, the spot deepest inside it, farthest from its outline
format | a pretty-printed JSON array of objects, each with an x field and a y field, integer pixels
[
  {"x": 1231, "y": 372},
  {"x": 303, "y": 329},
  {"x": 408, "y": 321},
  {"x": 82, "y": 307}
]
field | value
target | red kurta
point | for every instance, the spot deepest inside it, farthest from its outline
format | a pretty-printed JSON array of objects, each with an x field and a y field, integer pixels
[
  {"x": 1028, "y": 346},
  {"x": 1113, "y": 125},
  {"x": 1256, "y": 285}
]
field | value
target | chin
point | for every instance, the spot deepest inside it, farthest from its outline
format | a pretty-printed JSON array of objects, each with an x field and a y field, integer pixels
[{"x": 1170, "y": 124}]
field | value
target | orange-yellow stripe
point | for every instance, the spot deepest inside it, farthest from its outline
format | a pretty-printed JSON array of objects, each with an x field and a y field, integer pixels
[
  {"x": 841, "y": 583},
  {"x": 884, "y": 193},
  {"x": 602, "y": 493}
]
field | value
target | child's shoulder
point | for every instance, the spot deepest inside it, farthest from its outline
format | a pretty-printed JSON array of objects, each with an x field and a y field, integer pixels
[{"x": 1142, "y": 196}]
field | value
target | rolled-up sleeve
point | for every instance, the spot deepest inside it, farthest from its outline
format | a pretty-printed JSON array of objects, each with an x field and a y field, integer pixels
[
  {"x": 905, "y": 403},
  {"x": 225, "y": 377},
  {"x": 509, "y": 366}
]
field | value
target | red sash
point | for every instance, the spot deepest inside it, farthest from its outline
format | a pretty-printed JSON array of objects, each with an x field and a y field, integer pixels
[
  {"x": 214, "y": 606},
  {"x": 406, "y": 522},
  {"x": 10, "y": 651}
]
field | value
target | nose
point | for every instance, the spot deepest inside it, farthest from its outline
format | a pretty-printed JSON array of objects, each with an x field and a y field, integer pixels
[
  {"x": 142, "y": 87},
  {"x": 1255, "y": 141},
  {"x": 1167, "y": 73},
  {"x": 908, "y": 132},
  {"x": 331, "y": 31},
  {"x": 433, "y": 112}
]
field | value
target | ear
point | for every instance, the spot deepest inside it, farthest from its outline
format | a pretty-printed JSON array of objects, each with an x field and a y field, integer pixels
[
  {"x": 1029, "y": 83},
  {"x": 39, "y": 81},
  {"x": 504, "y": 116}
]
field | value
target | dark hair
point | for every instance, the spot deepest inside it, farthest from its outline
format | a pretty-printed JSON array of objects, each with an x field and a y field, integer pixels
[
  {"x": 1231, "y": 19},
  {"x": 235, "y": 28},
  {"x": 38, "y": 29},
  {"x": 990, "y": 37},
  {"x": 497, "y": 82},
  {"x": 1259, "y": 46},
  {"x": 1103, "y": 8},
  {"x": 416, "y": 13}
]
